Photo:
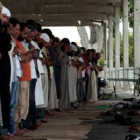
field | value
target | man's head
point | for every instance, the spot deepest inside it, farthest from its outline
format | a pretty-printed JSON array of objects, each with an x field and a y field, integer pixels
[
  {"x": 50, "y": 34},
  {"x": 73, "y": 48},
  {"x": 5, "y": 15},
  {"x": 38, "y": 32},
  {"x": 13, "y": 22},
  {"x": 24, "y": 31},
  {"x": 89, "y": 54},
  {"x": 66, "y": 43},
  {"x": 84, "y": 50},
  {"x": 31, "y": 34},
  {"x": 34, "y": 26},
  {"x": 93, "y": 53},
  {"x": 56, "y": 43},
  {"x": 98, "y": 56},
  {"x": 46, "y": 40}
]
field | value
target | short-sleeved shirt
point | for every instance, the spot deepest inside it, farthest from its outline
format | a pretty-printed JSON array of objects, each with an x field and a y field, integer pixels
[{"x": 25, "y": 67}]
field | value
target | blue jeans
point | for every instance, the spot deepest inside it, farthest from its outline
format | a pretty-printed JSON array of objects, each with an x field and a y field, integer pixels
[{"x": 13, "y": 104}]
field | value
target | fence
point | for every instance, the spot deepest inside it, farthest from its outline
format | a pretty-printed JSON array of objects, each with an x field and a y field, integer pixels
[{"x": 120, "y": 80}]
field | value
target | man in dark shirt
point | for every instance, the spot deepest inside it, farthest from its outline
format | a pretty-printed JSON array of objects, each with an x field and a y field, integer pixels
[{"x": 5, "y": 72}]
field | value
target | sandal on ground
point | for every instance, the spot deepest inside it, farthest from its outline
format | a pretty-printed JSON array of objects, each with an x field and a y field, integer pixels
[
  {"x": 130, "y": 137},
  {"x": 108, "y": 121},
  {"x": 134, "y": 129}
]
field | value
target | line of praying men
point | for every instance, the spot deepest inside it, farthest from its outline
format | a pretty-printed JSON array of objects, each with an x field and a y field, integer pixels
[{"x": 41, "y": 75}]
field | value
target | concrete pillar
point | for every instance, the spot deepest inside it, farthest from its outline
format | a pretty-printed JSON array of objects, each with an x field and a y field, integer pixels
[
  {"x": 136, "y": 36},
  {"x": 110, "y": 48},
  {"x": 117, "y": 46},
  {"x": 105, "y": 47},
  {"x": 83, "y": 35},
  {"x": 125, "y": 44}
]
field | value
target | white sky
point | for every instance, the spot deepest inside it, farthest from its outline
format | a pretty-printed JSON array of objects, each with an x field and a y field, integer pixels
[{"x": 71, "y": 32}]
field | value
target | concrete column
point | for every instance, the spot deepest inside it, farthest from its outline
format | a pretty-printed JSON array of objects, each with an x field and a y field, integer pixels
[
  {"x": 110, "y": 48},
  {"x": 125, "y": 44},
  {"x": 136, "y": 36},
  {"x": 105, "y": 47},
  {"x": 83, "y": 35},
  {"x": 117, "y": 45}
]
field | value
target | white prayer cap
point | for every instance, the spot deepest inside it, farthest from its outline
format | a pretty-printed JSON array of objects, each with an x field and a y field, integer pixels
[
  {"x": 6, "y": 11},
  {"x": 73, "y": 47},
  {"x": 45, "y": 37}
]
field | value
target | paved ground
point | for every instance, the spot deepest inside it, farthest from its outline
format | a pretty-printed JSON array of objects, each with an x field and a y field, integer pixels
[{"x": 80, "y": 124}]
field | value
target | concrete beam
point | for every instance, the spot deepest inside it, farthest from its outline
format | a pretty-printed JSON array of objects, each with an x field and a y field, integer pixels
[
  {"x": 67, "y": 9},
  {"x": 60, "y": 2},
  {"x": 64, "y": 17},
  {"x": 65, "y": 23}
]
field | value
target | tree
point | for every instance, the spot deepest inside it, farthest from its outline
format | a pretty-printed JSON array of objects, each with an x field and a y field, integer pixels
[
  {"x": 131, "y": 44},
  {"x": 130, "y": 12},
  {"x": 131, "y": 52}
]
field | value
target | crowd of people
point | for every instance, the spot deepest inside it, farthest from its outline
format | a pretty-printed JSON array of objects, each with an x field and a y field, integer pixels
[{"x": 41, "y": 75}]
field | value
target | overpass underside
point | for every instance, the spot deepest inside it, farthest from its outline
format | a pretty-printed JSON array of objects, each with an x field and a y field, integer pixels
[{"x": 105, "y": 13}]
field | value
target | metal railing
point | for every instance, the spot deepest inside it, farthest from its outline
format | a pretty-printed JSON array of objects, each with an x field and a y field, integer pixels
[{"x": 125, "y": 78}]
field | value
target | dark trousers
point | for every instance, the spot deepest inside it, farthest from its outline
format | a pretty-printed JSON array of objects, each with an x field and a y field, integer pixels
[
  {"x": 86, "y": 87},
  {"x": 5, "y": 70},
  {"x": 40, "y": 113},
  {"x": 31, "y": 117},
  {"x": 57, "y": 77}
]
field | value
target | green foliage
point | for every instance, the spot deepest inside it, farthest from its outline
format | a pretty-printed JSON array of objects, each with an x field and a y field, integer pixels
[
  {"x": 101, "y": 61},
  {"x": 130, "y": 14},
  {"x": 131, "y": 41},
  {"x": 131, "y": 52},
  {"x": 131, "y": 46}
]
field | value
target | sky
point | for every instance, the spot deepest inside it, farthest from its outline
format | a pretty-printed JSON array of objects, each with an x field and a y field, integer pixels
[{"x": 71, "y": 32}]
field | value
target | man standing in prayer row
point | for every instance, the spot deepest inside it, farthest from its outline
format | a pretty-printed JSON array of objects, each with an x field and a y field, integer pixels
[
  {"x": 13, "y": 30},
  {"x": 21, "y": 109},
  {"x": 5, "y": 72},
  {"x": 51, "y": 79},
  {"x": 64, "y": 102}
]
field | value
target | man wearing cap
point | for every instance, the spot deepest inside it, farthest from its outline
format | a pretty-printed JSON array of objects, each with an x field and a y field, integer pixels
[
  {"x": 5, "y": 72},
  {"x": 45, "y": 77},
  {"x": 71, "y": 73},
  {"x": 5, "y": 15}
]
